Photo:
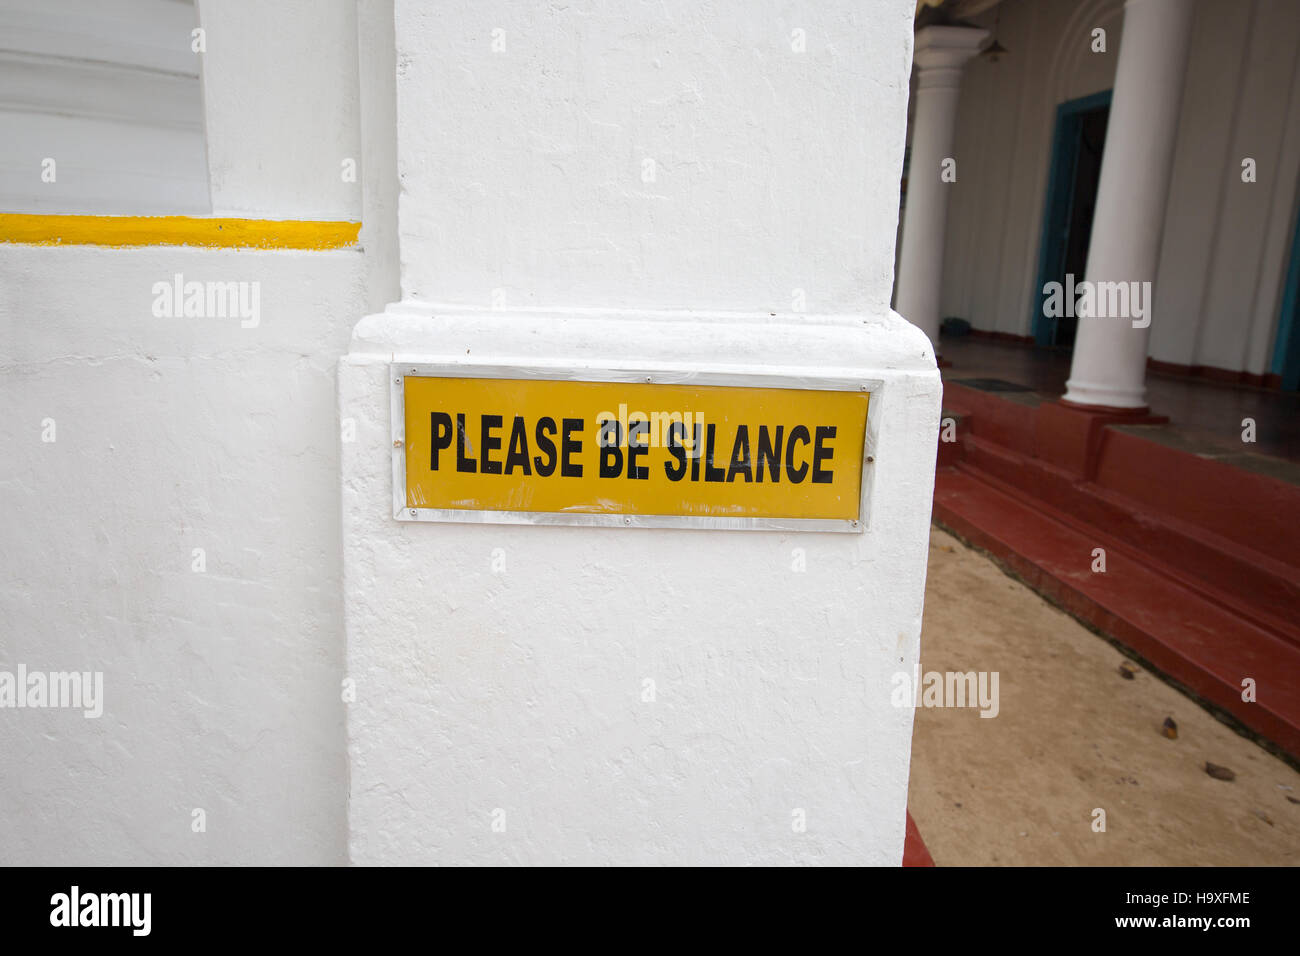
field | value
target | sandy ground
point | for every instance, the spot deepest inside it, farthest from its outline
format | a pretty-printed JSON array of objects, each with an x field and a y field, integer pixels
[{"x": 1073, "y": 735}]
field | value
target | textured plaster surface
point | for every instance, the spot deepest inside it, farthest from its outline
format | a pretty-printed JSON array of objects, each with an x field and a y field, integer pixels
[
  {"x": 500, "y": 670},
  {"x": 664, "y": 187},
  {"x": 221, "y": 687},
  {"x": 281, "y": 93},
  {"x": 673, "y": 155}
]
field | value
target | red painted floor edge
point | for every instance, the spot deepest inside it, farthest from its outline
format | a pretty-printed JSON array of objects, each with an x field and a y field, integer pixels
[
  {"x": 1045, "y": 553},
  {"x": 1249, "y": 583},
  {"x": 914, "y": 851}
]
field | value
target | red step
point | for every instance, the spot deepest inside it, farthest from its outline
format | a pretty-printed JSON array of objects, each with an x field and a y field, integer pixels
[
  {"x": 1178, "y": 628},
  {"x": 914, "y": 851},
  {"x": 1251, "y": 583}
]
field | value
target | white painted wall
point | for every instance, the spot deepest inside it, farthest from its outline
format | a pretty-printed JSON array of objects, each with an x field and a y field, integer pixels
[
  {"x": 110, "y": 93},
  {"x": 1226, "y": 244},
  {"x": 222, "y": 688},
  {"x": 377, "y": 60},
  {"x": 550, "y": 206},
  {"x": 521, "y": 691},
  {"x": 115, "y": 94},
  {"x": 1004, "y": 146},
  {"x": 280, "y": 89}
]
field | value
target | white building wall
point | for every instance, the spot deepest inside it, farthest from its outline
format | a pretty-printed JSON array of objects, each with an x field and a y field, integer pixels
[
  {"x": 620, "y": 192},
  {"x": 1204, "y": 148},
  {"x": 222, "y": 688},
  {"x": 512, "y": 692},
  {"x": 1226, "y": 244},
  {"x": 1005, "y": 126},
  {"x": 281, "y": 92},
  {"x": 100, "y": 108}
]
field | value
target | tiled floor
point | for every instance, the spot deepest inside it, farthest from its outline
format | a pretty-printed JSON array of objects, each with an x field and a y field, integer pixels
[{"x": 1205, "y": 417}]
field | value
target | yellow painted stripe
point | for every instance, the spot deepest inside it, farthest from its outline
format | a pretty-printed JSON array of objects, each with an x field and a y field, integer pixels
[{"x": 176, "y": 231}]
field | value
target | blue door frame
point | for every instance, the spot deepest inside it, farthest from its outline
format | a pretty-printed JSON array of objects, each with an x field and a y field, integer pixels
[
  {"x": 1056, "y": 209},
  {"x": 1286, "y": 351}
]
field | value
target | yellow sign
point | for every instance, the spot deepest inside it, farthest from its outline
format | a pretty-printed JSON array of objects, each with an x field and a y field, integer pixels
[{"x": 557, "y": 447}]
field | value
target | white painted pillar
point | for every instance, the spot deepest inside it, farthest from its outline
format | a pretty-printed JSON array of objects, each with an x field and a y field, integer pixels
[
  {"x": 941, "y": 52},
  {"x": 1110, "y": 353},
  {"x": 668, "y": 188}
]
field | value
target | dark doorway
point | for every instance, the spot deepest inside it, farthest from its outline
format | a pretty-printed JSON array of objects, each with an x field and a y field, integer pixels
[
  {"x": 1071, "y": 199},
  {"x": 1286, "y": 348}
]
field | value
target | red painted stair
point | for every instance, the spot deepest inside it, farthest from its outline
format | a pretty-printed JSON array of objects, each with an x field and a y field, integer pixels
[{"x": 1201, "y": 574}]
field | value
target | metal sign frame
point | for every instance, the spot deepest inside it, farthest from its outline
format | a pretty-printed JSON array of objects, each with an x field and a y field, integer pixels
[{"x": 400, "y": 371}]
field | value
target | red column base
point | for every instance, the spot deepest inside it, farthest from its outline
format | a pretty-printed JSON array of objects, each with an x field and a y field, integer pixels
[{"x": 1070, "y": 435}]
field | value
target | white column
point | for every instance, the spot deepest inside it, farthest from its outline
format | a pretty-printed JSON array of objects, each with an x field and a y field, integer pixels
[
  {"x": 673, "y": 189},
  {"x": 940, "y": 55},
  {"x": 1110, "y": 353}
]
